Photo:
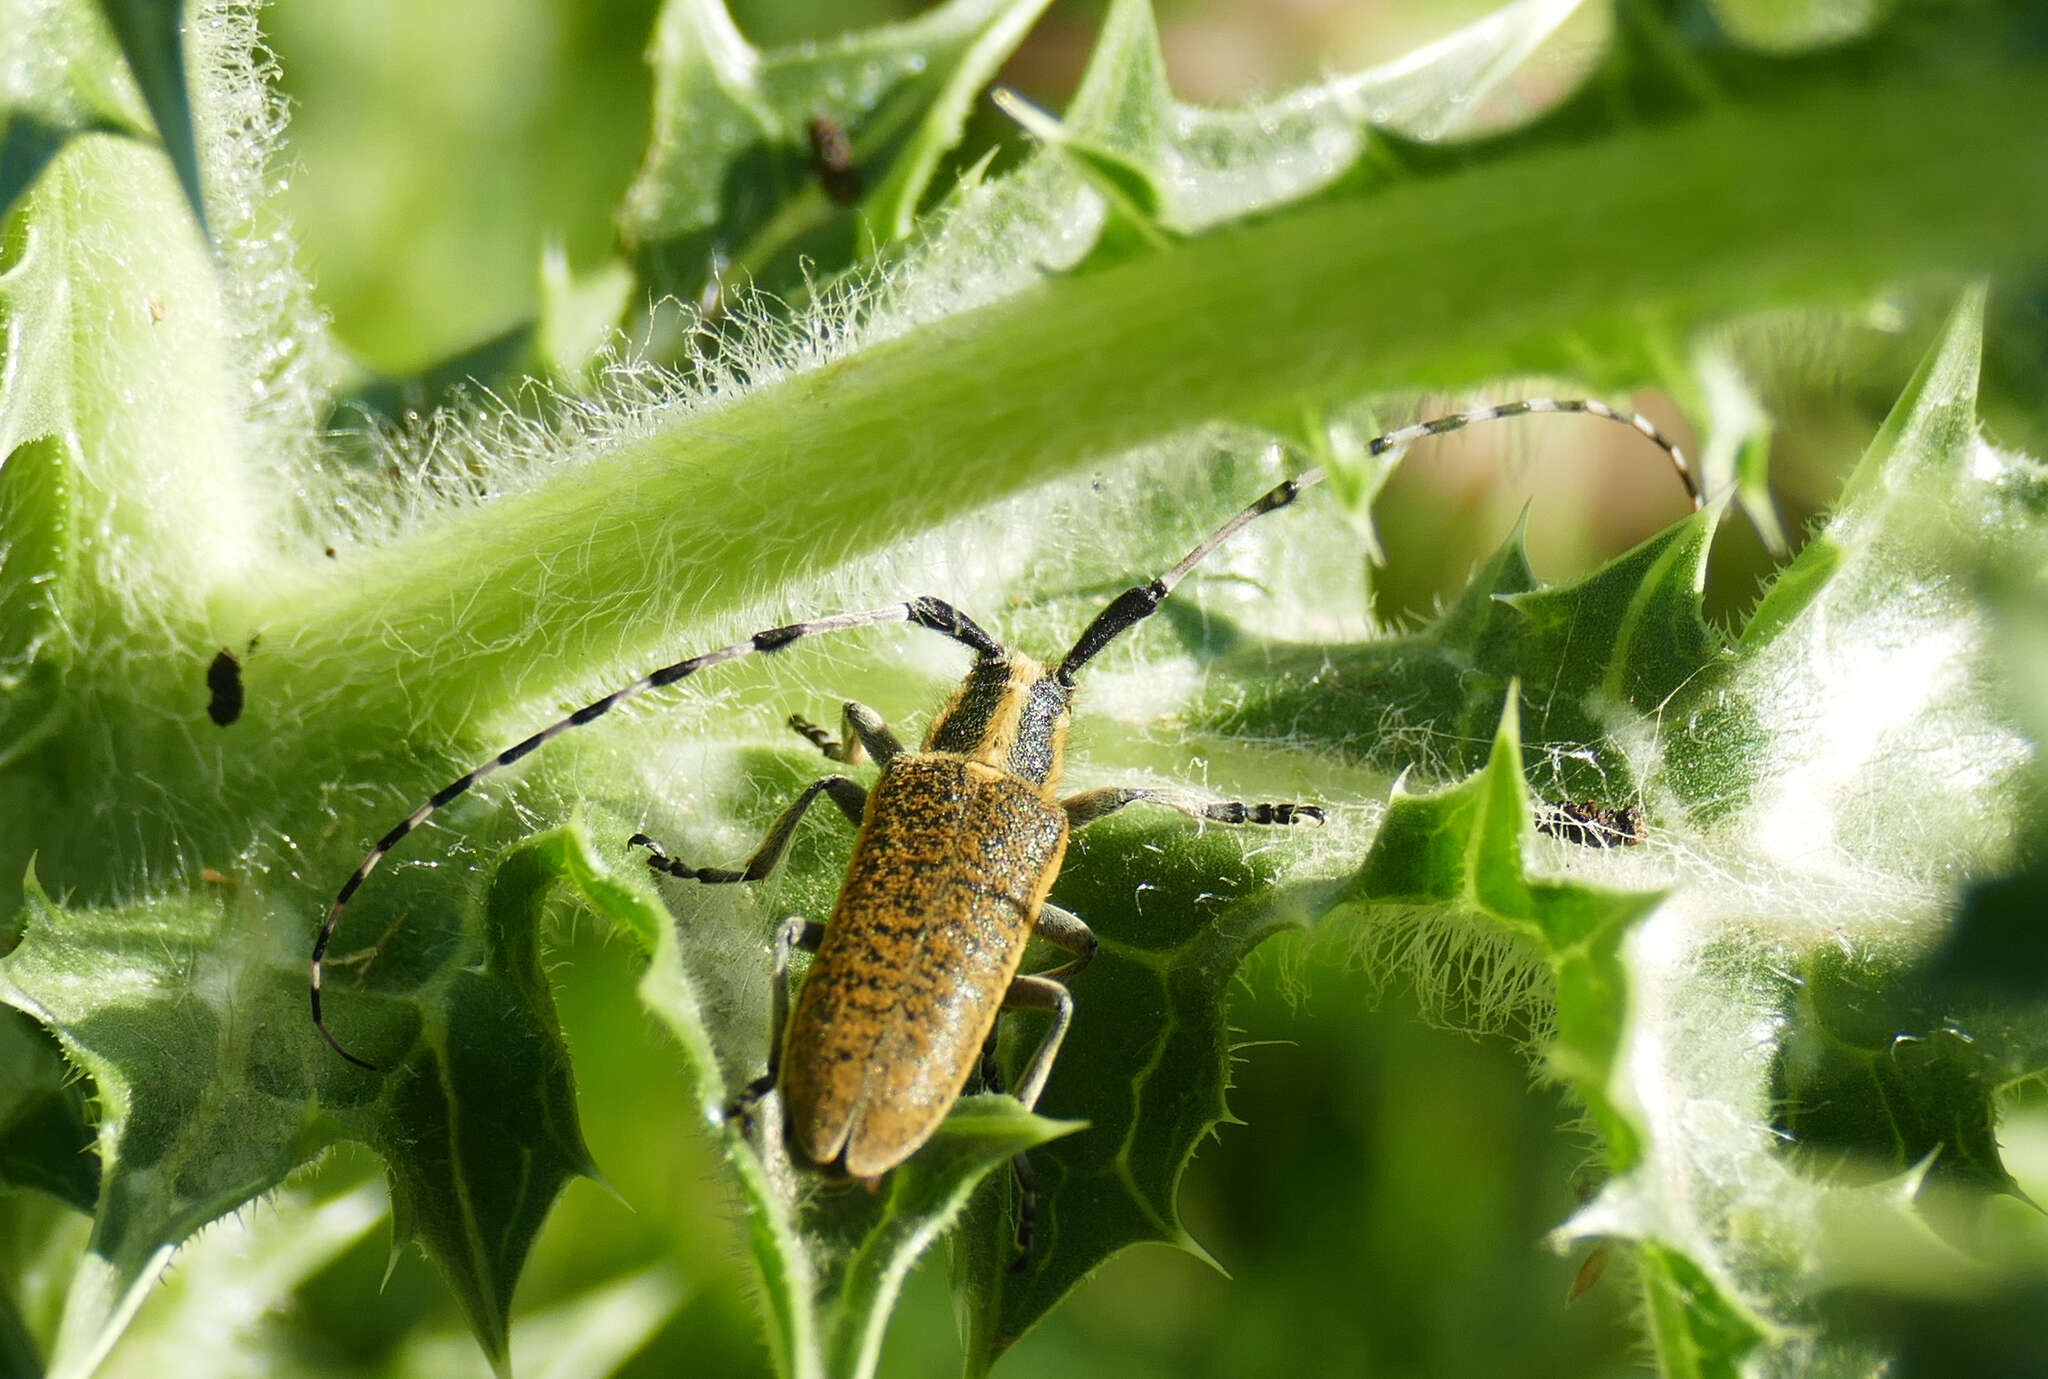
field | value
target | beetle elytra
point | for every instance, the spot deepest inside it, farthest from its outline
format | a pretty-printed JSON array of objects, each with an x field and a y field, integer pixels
[{"x": 958, "y": 843}]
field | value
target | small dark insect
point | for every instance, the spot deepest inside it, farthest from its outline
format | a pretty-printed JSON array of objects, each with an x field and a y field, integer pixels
[
  {"x": 1590, "y": 825},
  {"x": 957, "y": 842},
  {"x": 832, "y": 160},
  {"x": 224, "y": 681}
]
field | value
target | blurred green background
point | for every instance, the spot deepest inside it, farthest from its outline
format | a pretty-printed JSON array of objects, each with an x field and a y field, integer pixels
[{"x": 1383, "y": 1211}]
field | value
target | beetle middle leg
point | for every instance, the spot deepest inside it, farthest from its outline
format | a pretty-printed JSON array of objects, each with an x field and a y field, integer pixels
[
  {"x": 848, "y": 794},
  {"x": 1090, "y": 805},
  {"x": 1043, "y": 991}
]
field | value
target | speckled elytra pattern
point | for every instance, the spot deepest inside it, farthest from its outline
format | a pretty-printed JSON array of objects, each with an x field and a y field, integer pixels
[{"x": 952, "y": 864}]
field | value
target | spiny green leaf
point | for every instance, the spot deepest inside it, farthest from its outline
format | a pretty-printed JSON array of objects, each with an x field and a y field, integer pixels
[
  {"x": 1818, "y": 745},
  {"x": 477, "y": 1117},
  {"x": 1145, "y": 1064},
  {"x": 1697, "y": 1332},
  {"x": 1168, "y": 169},
  {"x": 175, "y": 1016},
  {"x": 1461, "y": 848},
  {"x": 1873, "y": 1081},
  {"x": 207, "y": 1070},
  {"x": 1855, "y": 671},
  {"x": 729, "y": 184},
  {"x": 892, "y": 206},
  {"x": 71, "y": 87},
  {"x": 1643, "y": 609},
  {"x": 732, "y": 191},
  {"x": 46, "y": 1138},
  {"x": 219, "y": 1309}
]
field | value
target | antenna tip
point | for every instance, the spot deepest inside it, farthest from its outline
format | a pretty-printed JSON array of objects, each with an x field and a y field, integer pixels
[{"x": 325, "y": 1033}]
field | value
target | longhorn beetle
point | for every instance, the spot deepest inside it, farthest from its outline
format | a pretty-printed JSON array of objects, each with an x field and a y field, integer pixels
[{"x": 959, "y": 841}]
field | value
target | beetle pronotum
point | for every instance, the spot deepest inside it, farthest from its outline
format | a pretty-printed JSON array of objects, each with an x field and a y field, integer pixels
[{"x": 958, "y": 844}]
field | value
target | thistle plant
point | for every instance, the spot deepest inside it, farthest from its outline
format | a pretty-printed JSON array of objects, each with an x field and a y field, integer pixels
[{"x": 1800, "y": 1024}]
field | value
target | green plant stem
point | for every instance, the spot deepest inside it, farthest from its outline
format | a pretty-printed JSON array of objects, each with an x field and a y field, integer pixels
[{"x": 1464, "y": 276}]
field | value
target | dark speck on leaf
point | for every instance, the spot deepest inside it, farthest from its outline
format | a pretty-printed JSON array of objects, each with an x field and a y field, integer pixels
[{"x": 224, "y": 682}]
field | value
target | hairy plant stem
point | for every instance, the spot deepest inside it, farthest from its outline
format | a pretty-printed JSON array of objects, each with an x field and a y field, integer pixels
[{"x": 1464, "y": 276}]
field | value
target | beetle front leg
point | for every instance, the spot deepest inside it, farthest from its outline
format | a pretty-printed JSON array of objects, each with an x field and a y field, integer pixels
[
  {"x": 1088, "y": 806},
  {"x": 848, "y": 794},
  {"x": 790, "y": 935},
  {"x": 863, "y": 733}
]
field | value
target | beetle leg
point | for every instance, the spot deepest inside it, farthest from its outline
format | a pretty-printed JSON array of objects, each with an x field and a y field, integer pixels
[
  {"x": 863, "y": 733},
  {"x": 849, "y": 795},
  {"x": 863, "y": 725},
  {"x": 1088, "y": 806},
  {"x": 1020, "y": 1165},
  {"x": 1027, "y": 1210},
  {"x": 1040, "y": 993},
  {"x": 1065, "y": 929},
  {"x": 790, "y": 935},
  {"x": 1035, "y": 993},
  {"x": 991, "y": 1073}
]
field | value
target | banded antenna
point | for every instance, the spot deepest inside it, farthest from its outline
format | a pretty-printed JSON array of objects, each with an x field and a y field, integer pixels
[
  {"x": 1136, "y": 604},
  {"x": 1124, "y": 612}
]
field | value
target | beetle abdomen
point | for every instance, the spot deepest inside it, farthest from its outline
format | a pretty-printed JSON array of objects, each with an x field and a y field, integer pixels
[{"x": 952, "y": 864}]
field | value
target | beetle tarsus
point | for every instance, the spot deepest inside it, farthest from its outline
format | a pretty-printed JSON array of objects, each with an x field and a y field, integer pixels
[
  {"x": 741, "y": 1107},
  {"x": 1020, "y": 1167},
  {"x": 660, "y": 861},
  {"x": 832, "y": 747},
  {"x": 1238, "y": 812},
  {"x": 1027, "y": 1211}
]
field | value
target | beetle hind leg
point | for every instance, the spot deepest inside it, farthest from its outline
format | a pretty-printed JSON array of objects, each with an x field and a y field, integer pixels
[
  {"x": 1021, "y": 1172},
  {"x": 1032, "y": 993},
  {"x": 792, "y": 934},
  {"x": 1040, "y": 993}
]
